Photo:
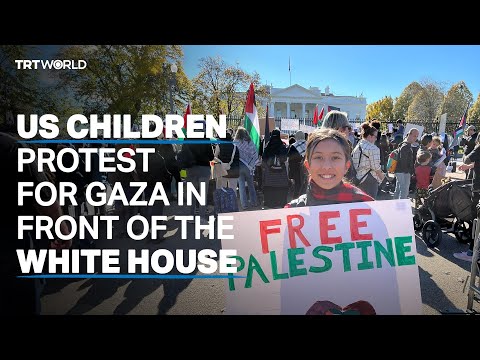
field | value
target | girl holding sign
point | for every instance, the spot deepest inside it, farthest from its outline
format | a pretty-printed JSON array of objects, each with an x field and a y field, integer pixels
[{"x": 327, "y": 159}]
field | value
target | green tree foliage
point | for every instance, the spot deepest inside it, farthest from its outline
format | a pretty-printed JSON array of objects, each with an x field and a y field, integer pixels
[
  {"x": 402, "y": 103},
  {"x": 28, "y": 92},
  {"x": 456, "y": 101},
  {"x": 426, "y": 104},
  {"x": 19, "y": 89},
  {"x": 220, "y": 88},
  {"x": 474, "y": 112},
  {"x": 381, "y": 109},
  {"x": 126, "y": 79}
]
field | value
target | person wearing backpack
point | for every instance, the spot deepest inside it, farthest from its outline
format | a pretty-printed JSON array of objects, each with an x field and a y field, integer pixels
[
  {"x": 157, "y": 173},
  {"x": 366, "y": 160},
  {"x": 248, "y": 161},
  {"x": 296, "y": 170},
  {"x": 229, "y": 155},
  {"x": 200, "y": 171},
  {"x": 275, "y": 176},
  {"x": 405, "y": 166}
]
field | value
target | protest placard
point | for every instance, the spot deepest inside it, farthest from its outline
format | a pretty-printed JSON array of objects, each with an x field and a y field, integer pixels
[
  {"x": 289, "y": 124},
  {"x": 344, "y": 258}
]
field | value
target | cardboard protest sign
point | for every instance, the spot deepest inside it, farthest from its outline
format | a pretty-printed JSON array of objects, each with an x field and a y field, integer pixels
[
  {"x": 357, "y": 258},
  {"x": 289, "y": 124},
  {"x": 307, "y": 128}
]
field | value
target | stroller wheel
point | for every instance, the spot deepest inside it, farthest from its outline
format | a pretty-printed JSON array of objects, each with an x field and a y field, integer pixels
[
  {"x": 417, "y": 221},
  {"x": 432, "y": 233},
  {"x": 463, "y": 231}
]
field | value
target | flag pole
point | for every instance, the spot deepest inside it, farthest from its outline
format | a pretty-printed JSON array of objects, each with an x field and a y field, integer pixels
[
  {"x": 266, "y": 135},
  {"x": 289, "y": 71}
]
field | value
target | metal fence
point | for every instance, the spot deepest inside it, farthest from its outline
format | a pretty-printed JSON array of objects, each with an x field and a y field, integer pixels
[{"x": 429, "y": 126}]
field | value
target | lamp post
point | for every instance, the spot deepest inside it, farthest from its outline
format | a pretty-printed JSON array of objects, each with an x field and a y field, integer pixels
[{"x": 171, "y": 83}]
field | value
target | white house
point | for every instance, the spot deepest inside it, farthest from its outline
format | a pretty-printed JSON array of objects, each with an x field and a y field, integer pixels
[{"x": 298, "y": 102}]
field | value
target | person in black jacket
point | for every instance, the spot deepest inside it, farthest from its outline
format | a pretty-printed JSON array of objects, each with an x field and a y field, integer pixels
[
  {"x": 405, "y": 166},
  {"x": 275, "y": 177},
  {"x": 296, "y": 169},
  {"x": 20, "y": 296},
  {"x": 468, "y": 143},
  {"x": 200, "y": 172},
  {"x": 168, "y": 153},
  {"x": 472, "y": 163}
]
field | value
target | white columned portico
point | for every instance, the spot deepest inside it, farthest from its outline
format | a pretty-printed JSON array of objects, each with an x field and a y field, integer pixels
[{"x": 299, "y": 101}]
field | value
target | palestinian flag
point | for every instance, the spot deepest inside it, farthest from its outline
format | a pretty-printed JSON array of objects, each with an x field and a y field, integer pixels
[
  {"x": 251, "y": 122},
  {"x": 187, "y": 112},
  {"x": 461, "y": 127}
]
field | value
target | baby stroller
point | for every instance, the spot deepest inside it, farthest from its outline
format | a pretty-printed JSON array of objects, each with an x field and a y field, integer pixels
[{"x": 448, "y": 208}]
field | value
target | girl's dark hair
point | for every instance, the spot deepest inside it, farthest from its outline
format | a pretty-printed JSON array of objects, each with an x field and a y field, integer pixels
[
  {"x": 368, "y": 130},
  {"x": 318, "y": 135},
  {"x": 426, "y": 139},
  {"x": 376, "y": 124}
]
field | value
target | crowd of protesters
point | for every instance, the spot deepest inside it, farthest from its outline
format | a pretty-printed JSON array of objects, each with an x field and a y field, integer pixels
[{"x": 333, "y": 164}]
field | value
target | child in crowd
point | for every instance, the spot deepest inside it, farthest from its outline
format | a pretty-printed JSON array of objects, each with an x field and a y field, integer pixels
[
  {"x": 439, "y": 169},
  {"x": 327, "y": 159},
  {"x": 422, "y": 174},
  {"x": 437, "y": 150}
]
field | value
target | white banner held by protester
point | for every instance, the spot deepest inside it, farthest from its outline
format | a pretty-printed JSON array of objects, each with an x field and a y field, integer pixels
[
  {"x": 443, "y": 123},
  {"x": 357, "y": 258},
  {"x": 289, "y": 124},
  {"x": 307, "y": 128}
]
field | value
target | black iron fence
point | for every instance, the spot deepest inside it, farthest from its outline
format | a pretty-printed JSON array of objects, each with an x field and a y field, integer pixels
[{"x": 429, "y": 126}]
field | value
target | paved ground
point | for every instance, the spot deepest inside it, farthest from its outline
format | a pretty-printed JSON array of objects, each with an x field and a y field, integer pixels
[{"x": 442, "y": 279}]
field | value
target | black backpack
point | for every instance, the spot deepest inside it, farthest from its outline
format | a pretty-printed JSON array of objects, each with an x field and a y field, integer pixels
[
  {"x": 157, "y": 169},
  {"x": 185, "y": 157},
  {"x": 351, "y": 174}
]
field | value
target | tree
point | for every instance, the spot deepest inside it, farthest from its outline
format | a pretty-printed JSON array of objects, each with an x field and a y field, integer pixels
[
  {"x": 19, "y": 89},
  {"x": 402, "y": 103},
  {"x": 126, "y": 79},
  {"x": 456, "y": 101},
  {"x": 220, "y": 88},
  {"x": 474, "y": 112},
  {"x": 426, "y": 104},
  {"x": 381, "y": 109}
]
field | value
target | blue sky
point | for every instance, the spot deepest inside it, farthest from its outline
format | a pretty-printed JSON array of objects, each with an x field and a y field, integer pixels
[{"x": 374, "y": 70}]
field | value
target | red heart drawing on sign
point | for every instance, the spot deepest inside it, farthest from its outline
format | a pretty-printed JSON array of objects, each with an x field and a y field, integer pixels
[{"x": 326, "y": 307}]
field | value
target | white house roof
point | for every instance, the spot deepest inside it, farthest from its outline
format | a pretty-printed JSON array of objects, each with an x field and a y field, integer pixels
[{"x": 294, "y": 91}]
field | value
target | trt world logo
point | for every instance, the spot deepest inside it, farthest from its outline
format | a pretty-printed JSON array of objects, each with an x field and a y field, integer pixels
[{"x": 51, "y": 64}]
